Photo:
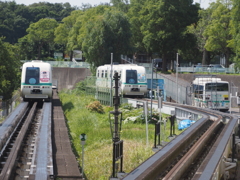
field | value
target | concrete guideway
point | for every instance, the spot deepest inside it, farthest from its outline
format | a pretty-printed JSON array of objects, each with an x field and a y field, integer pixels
[{"x": 65, "y": 164}]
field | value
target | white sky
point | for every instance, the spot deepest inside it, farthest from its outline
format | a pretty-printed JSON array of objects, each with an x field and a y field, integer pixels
[{"x": 78, "y": 3}]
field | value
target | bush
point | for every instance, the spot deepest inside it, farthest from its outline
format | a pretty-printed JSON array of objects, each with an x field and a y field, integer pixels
[{"x": 95, "y": 106}]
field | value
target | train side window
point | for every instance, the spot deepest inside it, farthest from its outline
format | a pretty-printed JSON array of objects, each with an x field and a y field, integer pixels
[
  {"x": 102, "y": 73},
  {"x": 105, "y": 73},
  {"x": 32, "y": 75},
  {"x": 198, "y": 91},
  {"x": 98, "y": 73}
]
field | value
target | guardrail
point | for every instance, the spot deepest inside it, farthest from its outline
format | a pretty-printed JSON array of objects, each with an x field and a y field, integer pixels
[{"x": 206, "y": 70}]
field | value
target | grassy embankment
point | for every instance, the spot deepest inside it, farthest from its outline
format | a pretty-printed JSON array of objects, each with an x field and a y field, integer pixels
[{"x": 83, "y": 116}]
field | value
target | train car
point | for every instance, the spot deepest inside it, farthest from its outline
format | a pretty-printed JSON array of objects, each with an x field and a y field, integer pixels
[
  {"x": 211, "y": 93},
  {"x": 36, "y": 81},
  {"x": 132, "y": 80}
]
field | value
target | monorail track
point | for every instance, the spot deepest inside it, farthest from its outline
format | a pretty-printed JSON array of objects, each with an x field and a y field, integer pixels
[
  {"x": 35, "y": 145},
  {"x": 23, "y": 156},
  {"x": 190, "y": 155}
]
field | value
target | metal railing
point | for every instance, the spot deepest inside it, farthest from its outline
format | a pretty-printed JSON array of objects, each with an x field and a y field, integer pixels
[
  {"x": 8, "y": 106},
  {"x": 206, "y": 69},
  {"x": 69, "y": 64}
]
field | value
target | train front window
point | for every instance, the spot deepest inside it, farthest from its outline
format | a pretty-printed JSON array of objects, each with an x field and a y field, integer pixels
[
  {"x": 217, "y": 87},
  {"x": 131, "y": 76},
  {"x": 32, "y": 75},
  {"x": 198, "y": 90}
]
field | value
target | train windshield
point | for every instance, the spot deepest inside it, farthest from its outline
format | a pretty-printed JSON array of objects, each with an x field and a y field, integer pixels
[
  {"x": 32, "y": 75},
  {"x": 131, "y": 76},
  {"x": 197, "y": 88},
  {"x": 217, "y": 87}
]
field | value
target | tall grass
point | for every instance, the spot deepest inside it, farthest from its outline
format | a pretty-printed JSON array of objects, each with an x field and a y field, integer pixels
[{"x": 98, "y": 147}]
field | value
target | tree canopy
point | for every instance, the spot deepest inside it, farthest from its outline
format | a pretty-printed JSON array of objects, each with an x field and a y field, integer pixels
[
  {"x": 15, "y": 18},
  {"x": 218, "y": 31},
  {"x": 106, "y": 34},
  {"x": 164, "y": 25},
  {"x": 9, "y": 69}
]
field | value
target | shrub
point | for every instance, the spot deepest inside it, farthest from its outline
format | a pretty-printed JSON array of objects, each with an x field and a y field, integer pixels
[{"x": 95, "y": 106}]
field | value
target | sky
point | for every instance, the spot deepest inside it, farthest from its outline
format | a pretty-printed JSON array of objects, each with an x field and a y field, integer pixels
[{"x": 78, "y": 3}]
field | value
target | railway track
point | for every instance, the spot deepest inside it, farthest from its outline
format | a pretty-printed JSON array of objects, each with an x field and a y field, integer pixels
[{"x": 190, "y": 154}]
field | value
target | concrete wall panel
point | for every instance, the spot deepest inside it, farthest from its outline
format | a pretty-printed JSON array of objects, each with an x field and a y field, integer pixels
[{"x": 68, "y": 77}]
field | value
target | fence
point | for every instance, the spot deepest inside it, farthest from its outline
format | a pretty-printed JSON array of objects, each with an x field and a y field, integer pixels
[
  {"x": 100, "y": 93},
  {"x": 179, "y": 92},
  {"x": 8, "y": 106},
  {"x": 70, "y": 64},
  {"x": 205, "y": 69}
]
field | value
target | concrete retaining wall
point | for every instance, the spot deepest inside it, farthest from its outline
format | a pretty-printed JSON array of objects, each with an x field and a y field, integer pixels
[{"x": 68, "y": 77}]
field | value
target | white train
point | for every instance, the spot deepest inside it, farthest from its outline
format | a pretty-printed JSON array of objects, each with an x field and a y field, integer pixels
[
  {"x": 132, "y": 80},
  {"x": 211, "y": 93},
  {"x": 36, "y": 81}
]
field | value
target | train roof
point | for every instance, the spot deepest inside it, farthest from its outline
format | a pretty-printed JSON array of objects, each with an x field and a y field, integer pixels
[
  {"x": 208, "y": 80},
  {"x": 120, "y": 66},
  {"x": 37, "y": 63}
]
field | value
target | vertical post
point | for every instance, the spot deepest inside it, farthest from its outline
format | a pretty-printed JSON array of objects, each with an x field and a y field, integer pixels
[
  {"x": 233, "y": 147},
  {"x": 83, "y": 138},
  {"x": 116, "y": 113},
  {"x": 155, "y": 136},
  {"x": 170, "y": 118},
  {"x": 111, "y": 74},
  {"x": 146, "y": 119},
  {"x": 177, "y": 78},
  {"x": 160, "y": 107},
  {"x": 230, "y": 105},
  {"x": 82, "y": 161},
  {"x": 173, "y": 119},
  {"x": 151, "y": 90},
  {"x": 121, "y": 160},
  {"x": 114, "y": 161},
  {"x": 115, "y": 129}
]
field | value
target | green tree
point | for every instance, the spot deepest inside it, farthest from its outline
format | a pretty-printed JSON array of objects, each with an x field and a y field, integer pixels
[
  {"x": 9, "y": 69},
  {"x": 197, "y": 29},
  {"x": 218, "y": 30},
  {"x": 42, "y": 32},
  {"x": 106, "y": 34},
  {"x": 135, "y": 21},
  {"x": 28, "y": 48},
  {"x": 164, "y": 25},
  {"x": 79, "y": 31},
  {"x": 62, "y": 32},
  {"x": 121, "y": 5},
  {"x": 235, "y": 31},
  {"x": 15, "y": 19}
]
